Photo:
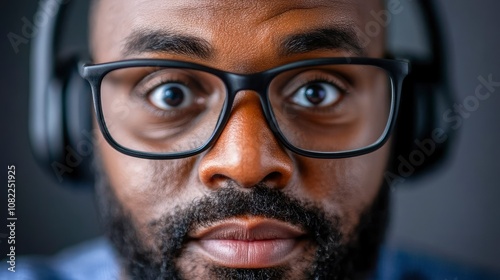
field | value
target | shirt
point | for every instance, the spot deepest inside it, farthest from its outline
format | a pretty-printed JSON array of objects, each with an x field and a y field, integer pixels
[{"x": 97, "y": 260}]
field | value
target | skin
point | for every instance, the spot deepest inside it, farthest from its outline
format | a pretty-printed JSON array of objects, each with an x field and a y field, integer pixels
[{"x": 244, "y": 36}]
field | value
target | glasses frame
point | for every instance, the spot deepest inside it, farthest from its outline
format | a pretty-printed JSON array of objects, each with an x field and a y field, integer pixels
[{"x": 258, "y": 82}]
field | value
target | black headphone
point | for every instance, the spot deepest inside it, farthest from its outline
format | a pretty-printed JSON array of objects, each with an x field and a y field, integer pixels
[{"x": 61, "y": 130}]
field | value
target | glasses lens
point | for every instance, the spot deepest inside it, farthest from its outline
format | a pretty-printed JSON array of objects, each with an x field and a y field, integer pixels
[
  {"x": 161, "y": 110},
  {"x": 332, "y": 108}
]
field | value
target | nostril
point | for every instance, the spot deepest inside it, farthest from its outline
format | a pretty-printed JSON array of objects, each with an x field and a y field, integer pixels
[
  {"x": 272, "y": 180},
  {"x": 217, "y": 180},
  {"x": 272, "y": 177}
]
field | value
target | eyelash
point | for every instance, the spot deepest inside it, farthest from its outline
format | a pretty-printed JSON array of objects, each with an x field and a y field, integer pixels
[
  {"x": 318, "y": 78},
  {"x": 145, "y": 90}
]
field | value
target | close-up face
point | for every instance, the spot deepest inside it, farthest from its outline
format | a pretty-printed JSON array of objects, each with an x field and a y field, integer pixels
[{"x": 246, "y": 206}]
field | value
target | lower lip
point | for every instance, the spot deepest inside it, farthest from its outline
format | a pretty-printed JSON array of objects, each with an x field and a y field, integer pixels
[{"x": 249, "y": 254}]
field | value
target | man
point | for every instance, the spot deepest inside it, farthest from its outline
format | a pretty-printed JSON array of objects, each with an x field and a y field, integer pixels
[
  {"x": 244, "y": 193},
  {"x": 240, "y": 209}
]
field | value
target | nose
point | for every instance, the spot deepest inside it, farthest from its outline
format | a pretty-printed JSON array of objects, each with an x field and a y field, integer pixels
[{"x": 247, "y": 151}]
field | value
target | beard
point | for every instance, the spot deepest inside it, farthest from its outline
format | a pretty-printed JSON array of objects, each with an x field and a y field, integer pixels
[{"x": 334, "y": 256}]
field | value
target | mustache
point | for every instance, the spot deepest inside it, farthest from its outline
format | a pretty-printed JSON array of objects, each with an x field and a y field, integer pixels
[
  {"x": 261, "y": 200},
  {"x": 172, "y": 231}
]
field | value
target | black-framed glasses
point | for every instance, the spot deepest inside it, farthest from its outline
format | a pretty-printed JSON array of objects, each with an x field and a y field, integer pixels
[{"x": 322, "y": 108}]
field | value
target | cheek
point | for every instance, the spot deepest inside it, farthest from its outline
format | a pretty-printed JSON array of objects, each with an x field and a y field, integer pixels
[
  {"x": 147, "y": 189},
  {"x": 343, "y": 187}
]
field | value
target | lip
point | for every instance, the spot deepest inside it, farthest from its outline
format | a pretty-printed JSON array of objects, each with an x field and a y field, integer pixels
[{"x": 251, "y": 242}]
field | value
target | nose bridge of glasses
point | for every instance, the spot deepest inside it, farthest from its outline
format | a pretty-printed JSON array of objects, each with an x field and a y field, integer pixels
[
  {"x": 256, "y": 83},
  {"x": 253, "y": 82}
]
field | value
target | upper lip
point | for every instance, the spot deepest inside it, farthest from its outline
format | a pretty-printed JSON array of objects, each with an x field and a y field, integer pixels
[{"x": 248, "y": 229}]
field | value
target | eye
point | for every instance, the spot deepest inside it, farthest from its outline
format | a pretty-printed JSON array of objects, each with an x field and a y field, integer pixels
[
  {"x": 171, "y": 96},
  {"x": 317, "y": 94}
]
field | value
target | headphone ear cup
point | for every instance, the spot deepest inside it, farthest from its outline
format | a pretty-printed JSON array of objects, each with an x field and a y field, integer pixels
[
  {"x": 78, "y": 126},
  {"x": 69, "y": 129},
  {"x": 405, "y": 130},
  {"x": 421, "y": 138},
  {"x": 46, "y": 123}
]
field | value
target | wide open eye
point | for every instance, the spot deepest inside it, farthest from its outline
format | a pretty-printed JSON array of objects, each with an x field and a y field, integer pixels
[
  {"x": 171, "y": 96},
  {"x": 317, "y": 94}
]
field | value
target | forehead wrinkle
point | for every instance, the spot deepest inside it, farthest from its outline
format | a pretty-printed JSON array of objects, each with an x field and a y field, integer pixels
[
  {"x": 257, "y": 12},
  {"x": 232, "y": 5}
]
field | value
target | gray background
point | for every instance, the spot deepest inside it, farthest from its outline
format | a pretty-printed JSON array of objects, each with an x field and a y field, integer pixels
[
  {"x": 452, "y": 213},
  {"x": 456, "y": 211}
]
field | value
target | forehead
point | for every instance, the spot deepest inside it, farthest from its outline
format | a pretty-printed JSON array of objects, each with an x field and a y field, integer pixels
[{"x": 235, "y": 30}]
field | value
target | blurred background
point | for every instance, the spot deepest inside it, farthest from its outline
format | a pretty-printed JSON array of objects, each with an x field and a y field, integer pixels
[{"x": 453, "y": 213}]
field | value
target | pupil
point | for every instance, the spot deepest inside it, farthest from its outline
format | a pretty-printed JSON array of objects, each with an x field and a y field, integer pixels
[
  {"x": 173, "y": 96},
  {"x": 315, "y": 94}
]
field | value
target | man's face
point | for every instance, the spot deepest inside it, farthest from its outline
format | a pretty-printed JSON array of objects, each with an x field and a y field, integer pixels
[{"x": 247, "y": 206}]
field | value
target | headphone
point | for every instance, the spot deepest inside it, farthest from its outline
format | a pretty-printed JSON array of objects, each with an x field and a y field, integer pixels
[{"x": 61, "y": 131}]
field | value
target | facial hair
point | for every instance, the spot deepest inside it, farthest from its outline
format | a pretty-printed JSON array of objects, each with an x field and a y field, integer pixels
[{"x": 336, "y": 256}]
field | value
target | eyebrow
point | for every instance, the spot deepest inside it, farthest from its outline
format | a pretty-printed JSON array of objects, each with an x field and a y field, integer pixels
[
  {"x": 165, "y": 41},
  {"x": 323, "y": 38},
  {"x": 141, "y": 41}
]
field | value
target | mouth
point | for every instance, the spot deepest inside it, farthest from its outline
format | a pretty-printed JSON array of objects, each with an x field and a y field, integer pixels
[{"x": 249, "y": 242}]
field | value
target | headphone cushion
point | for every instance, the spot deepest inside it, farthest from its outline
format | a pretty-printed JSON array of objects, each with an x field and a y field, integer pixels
[{"x": 72, "y": 161}]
